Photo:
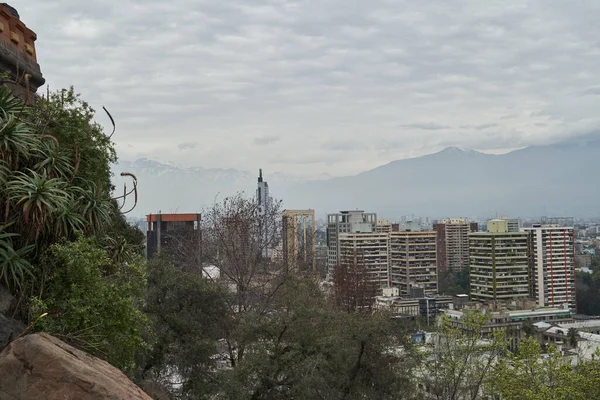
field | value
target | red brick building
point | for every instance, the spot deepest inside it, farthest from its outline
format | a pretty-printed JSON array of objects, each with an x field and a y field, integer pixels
[{"x": 18, "y": 57}]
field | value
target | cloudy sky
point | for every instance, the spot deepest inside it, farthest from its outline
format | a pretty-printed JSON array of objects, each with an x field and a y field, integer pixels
[{"x": 307, "y": 87}]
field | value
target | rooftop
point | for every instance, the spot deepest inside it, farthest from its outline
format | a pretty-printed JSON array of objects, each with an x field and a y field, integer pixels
[{"x": 12, "y": 10}]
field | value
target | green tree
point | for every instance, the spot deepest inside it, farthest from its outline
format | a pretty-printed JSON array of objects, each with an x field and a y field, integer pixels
[
  {"x": 530, "y": 375},
  {"x": 187, "y": 314},
  {"x": 459, "y": 364},
  {"x": 309, "y": 350},
  {"x": 89, "y": 308}
]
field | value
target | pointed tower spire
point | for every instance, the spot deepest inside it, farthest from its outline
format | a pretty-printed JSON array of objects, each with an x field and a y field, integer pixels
[{"x": 260, "y": 178}]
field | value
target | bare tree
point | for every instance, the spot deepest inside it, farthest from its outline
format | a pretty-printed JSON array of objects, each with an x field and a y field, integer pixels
[
  {"x": 352, "y": 288},
  {"x": 243, "y": 241}
]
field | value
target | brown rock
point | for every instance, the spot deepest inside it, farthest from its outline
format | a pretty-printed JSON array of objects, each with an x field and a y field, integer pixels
[
  {"x": 41, "y": 367},
  {"x": 7, "y": 301},
  {"x": 9, "y": 329}
]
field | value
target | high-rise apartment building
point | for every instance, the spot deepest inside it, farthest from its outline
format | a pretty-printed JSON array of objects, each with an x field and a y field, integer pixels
[
  {"x": 177, "y": 234},
  {"x": 346, "y": 222},
  {"x": 453, "y": 243},
  {"x": 264, "y": 204},
  {"x": 499, "y": 263},
  {"x": 552, "y": 264},
  {"x": 18, "y": 56},
  {"x": 299, "y": 246},
  {"x": 413, "y": 261},
  {"x": 369, "y": 251}
]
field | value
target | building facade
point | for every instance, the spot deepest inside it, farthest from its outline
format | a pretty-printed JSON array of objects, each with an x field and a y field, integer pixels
[
  {"x": 499, "y": 263},
  {"x": 264, "y": 203},
  {"x": 552, "y": 264},
  {"x": 176, "y": 234},
  {"x": 346, "y": 222},
  {"x": 299, "y": 245},
  {"x": 383, "y": 226},
  {"x": 369, "y": 251},
  {"x": 18, "y": 55},
  {"x": 513, "y": 224},
  {"x": 413, "y": 261},
  {"x": 453, "y": 243}
]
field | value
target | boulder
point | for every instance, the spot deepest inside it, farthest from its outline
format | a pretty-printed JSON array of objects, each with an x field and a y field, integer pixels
[
  {"x": 41, "y": 367},
  {"x": 9, "y": 329},
  {"x": 7, "y": 301}
]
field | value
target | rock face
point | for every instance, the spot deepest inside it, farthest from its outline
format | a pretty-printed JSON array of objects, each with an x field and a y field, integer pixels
[
  {"x": 39, "y": 366},
  {"x": 7, "y": 301},
  {"x": 9, "y": 329}
]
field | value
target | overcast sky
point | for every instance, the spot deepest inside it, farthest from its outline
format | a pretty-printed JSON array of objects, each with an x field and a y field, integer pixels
[{"x": 319, "y": 86}]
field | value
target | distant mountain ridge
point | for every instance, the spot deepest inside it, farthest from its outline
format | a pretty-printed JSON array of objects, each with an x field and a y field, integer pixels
[{"x": 549, "y": 180}]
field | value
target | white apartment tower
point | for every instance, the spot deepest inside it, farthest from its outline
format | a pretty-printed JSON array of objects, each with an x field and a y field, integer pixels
[
  {"x": 413, "y": 261},
  {"x": 369, "y": 251},
  {"x": 453, "y": 243},
  {"x": 346, "y": 222},
  {"x": 552, "y": 264}
]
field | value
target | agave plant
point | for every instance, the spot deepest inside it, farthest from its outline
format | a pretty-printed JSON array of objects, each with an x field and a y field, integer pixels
[
  {"x": 51, "y": 159},
  {"x": 9, "y": 103},
  {"x": 35, "y": 197},
  {"x": 119, "y": 250},
  {"x": 13, "y": 264},
  {"x": 4, "y": 174},
  {"x": 17, "y": 139},
  {"x": 68, "y": 221},
  {"x": 94, "y": 208}
]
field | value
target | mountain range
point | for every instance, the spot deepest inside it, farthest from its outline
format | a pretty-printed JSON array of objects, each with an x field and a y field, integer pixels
[{"x": 553, "y": 180}]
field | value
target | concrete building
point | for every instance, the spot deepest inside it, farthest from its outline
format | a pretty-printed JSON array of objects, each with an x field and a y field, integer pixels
[
  {"x": 383, "y": 225},
  {"x": 413, "y": 261},
  {"x": 369, "y": 251},
  {"x": 453, "y": 243},
  {"x": 499, "y": 263},
  {"x": 299, "y": 245},
  {"x": 264, "y": 203},
  {"x": 173, "y": 233},
  {"x": 513, "y": 224},
  {"x": 409, "y": 307},
  {"x": 18, "y": 55},
  {"x": 346, "y": 222},
  {"x": 552, "y": 264},
  {"x": 411, "y": 226},
  {"x": 504, "y": 316}
]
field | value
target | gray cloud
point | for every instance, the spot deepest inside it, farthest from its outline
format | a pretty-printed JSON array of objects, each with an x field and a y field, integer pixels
[
  {"x": 187, "y": 146},
  {"x": 428, "y": 126},
  {"x": 485, "y": 75},
  {"x": 264, "y": 140}
]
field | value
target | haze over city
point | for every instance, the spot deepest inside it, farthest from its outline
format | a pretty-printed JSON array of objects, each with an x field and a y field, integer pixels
[{"x": 313, "y": 87}]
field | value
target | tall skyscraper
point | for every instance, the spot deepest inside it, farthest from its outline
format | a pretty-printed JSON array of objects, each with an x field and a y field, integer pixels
[
  {"x": 299, "y": 246},
  {"x": 552, "y": 264},
  {"x": 18, "y": 56},
  {"x": 413, "y": 261},
  {"x": 346, "y": 222},
  {"x": 264, "y": 204},
  {"x": 499, "y": 263},
  {"x": 369, "y": 251},
  {"x": 453, "y": 243}
]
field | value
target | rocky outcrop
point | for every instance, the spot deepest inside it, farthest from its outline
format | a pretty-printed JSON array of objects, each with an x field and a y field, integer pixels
[
  {"x": 9, "y": 329},
  {"x": 7, "y": 301},
  {"x": 39, "y": 366}
]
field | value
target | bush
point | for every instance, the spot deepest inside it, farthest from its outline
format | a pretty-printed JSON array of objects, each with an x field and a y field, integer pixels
[{"x": 92, "y": 302}]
